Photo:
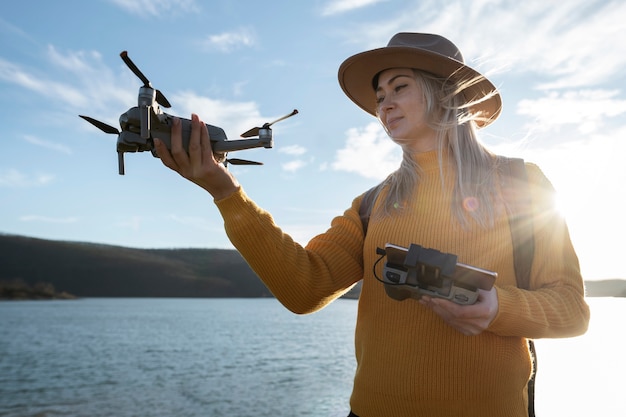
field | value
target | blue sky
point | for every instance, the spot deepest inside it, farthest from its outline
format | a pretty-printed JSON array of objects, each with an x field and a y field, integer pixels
[{"x": 560, "y": 66}]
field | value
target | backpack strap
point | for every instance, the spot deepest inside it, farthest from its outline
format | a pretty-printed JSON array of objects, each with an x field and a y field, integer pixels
[
  {"x": 367, "y": 205},
  {"x": 516, "y": 194}
]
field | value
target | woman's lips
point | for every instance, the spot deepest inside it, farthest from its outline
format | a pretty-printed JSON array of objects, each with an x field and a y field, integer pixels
[{"x": 392, "y": 120}]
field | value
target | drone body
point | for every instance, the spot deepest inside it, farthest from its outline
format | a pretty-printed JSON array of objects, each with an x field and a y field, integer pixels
[{"x": 142, "y": 124}]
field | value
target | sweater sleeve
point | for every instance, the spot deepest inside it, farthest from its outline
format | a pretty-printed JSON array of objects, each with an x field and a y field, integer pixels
[
  {"x": 303, "y": 279},
  {"x": 555, "y": 305}
]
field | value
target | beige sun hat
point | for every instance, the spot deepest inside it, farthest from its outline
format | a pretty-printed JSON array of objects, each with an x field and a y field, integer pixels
[{"x": 423, "y": 51}]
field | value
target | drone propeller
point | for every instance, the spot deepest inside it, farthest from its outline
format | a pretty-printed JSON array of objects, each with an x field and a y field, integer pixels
[
  {"x": 101, "y": 125},
  {"x": 236, "y": 161},
  {"x": 160, "y": 98},
  {"x": 255, "y": 130}
]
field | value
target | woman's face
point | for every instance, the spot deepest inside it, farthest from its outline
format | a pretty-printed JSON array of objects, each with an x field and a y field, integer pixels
[{"x": 401, "y": 109}]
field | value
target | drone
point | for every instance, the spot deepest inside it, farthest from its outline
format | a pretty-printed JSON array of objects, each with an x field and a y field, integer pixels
[{"x": 141, "y": 124}]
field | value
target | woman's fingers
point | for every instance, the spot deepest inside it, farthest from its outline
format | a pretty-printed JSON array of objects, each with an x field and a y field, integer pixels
[
  {"x": 178, "y": 152},
  {"x": 195, "y": 149},
  {"x": 198, "y": 164}
]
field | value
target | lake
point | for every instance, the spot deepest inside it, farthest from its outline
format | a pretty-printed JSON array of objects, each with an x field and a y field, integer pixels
[{"x": 242, "y": 357}]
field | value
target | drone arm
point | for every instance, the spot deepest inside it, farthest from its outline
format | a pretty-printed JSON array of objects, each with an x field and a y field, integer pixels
[{"x": 239, "y": 145}]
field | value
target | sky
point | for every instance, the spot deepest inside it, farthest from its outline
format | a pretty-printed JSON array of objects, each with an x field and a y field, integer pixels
[{"x": 560, "y": 67}]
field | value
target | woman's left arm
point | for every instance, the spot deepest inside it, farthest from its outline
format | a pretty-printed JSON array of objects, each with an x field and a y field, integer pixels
[{"x": 555, "y": 305}]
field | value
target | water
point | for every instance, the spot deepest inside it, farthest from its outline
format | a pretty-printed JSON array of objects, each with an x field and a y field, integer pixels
[
  {"x": 241, "y": 357},
  {"x": 174, "y": 357}
]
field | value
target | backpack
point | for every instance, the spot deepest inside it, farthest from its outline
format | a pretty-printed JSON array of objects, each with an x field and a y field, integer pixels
[{"x": 514, "y": 186}]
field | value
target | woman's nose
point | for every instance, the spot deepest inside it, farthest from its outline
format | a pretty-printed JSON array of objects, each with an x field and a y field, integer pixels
[{"x": 385, "y": 105}]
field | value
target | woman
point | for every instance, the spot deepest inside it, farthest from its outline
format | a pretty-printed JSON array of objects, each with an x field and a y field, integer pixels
[{"x": 430, "y": 357}]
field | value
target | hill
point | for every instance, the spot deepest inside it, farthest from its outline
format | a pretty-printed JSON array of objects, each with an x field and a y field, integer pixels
[
  {"x": 38, "y": 268},
  {"x": 94, "y": 270}
]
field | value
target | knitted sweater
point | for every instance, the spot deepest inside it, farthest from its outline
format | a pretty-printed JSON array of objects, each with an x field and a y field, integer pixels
[{"x": 409, "y": 362}]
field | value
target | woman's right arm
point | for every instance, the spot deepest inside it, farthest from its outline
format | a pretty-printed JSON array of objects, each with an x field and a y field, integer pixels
[{"x": 303, "y": 279}]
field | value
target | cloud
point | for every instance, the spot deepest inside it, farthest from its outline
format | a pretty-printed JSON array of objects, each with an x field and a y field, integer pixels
[
  {"x": 13, "y": 30},
  {"x": 235, "y": 117},
  {"x": 14, "y": 178},
  {"x": 293, "y": 150},
  {"x": 368, "y": 152},
  {"x": 14, "y": 74},
  {"x": 229, "y": 41},
  {"x": 45, "y": 219},
  {"x": 77, "y": 62},
  {"x": 586, "y": 109},
  {"x": 335, "y": 7},
  {"x": 294, "y": 165},
  {"x": 90, "y": 84},
  {"x": 47, "y": 144},
  {"x": 569, "y": 52},
  {"x": 147, "y": 8},
  {"x": 232, "y": 116},
  {"x": 97, "y": 84},
  {"x": 567, "y": 44}
]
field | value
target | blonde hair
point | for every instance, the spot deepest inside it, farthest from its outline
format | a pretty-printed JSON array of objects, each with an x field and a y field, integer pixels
[{"x": 448, "y": 113}]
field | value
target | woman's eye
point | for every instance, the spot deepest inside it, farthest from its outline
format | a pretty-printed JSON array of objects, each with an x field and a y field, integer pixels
[{"x": 396, "y": 90}]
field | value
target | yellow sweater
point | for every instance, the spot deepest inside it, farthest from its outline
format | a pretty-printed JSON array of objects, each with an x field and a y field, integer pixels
[{"x": 409, "y": 362}]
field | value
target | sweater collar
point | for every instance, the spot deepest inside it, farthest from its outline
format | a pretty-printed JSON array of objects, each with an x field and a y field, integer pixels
[{"x": 429, "y": 161}]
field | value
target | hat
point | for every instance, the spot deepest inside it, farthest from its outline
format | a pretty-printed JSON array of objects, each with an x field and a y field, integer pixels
[{"x": 431, "y": 53}]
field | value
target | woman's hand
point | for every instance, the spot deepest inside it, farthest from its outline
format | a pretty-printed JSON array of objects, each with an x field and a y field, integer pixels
[
  {"x": 198, "y": 166},
  {"x": 470, "y": 320}
]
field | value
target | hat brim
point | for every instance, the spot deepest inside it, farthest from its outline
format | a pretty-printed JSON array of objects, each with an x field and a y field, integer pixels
[{"x": 357, "y": 72}]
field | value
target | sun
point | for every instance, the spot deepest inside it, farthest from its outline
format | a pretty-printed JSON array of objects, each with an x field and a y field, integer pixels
[{"x": 562, "y": 205}]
